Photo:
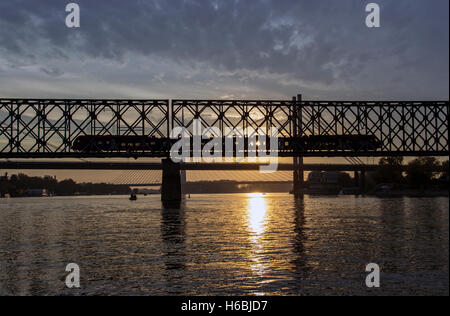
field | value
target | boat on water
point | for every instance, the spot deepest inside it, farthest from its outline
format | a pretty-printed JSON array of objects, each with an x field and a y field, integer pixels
[{"x": 133, "y": 197}]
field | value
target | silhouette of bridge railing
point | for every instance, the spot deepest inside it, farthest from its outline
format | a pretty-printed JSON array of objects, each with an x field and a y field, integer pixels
[{"x": 48, "y": 128}]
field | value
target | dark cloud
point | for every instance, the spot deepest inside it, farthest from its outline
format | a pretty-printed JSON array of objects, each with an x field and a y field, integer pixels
[{"x": 269, "y": 46}]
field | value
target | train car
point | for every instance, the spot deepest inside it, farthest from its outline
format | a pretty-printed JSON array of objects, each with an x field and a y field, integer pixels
[
  {"x": 330, "y": 143},
  {"x": 89, "y": 143},
  {"x": 131, "y": 144},
  {"x": 343, "y": 142}
]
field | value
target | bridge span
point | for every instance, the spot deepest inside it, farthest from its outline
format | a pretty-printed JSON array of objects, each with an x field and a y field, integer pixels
[{"x": 49, "y": 128}]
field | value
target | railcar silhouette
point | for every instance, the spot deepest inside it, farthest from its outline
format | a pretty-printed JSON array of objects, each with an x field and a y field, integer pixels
[
  {"x": 88, "y": 143},
  {"x": 132, "y": 144},
  {"x": 330, "y": 143}
]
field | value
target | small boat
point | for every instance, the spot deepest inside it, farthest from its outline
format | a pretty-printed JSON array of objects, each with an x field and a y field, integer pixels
[{"x": 133, "y": 197}]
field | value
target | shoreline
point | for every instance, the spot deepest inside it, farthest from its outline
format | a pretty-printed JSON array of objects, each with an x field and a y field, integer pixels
[
  {"x": 412, "y": 193},
  {"x": 394, "y": 194}
]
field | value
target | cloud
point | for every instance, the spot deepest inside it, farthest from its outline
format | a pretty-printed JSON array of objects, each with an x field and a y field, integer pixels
[{"x": 202, "y": 48}]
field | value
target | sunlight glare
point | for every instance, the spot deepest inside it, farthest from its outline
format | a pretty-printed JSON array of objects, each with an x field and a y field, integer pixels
[{"x": 255, "y": 195}]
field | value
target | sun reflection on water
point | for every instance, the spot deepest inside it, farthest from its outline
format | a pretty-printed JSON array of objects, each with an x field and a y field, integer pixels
[
  {"x": 257, "y": 213},
  {"x": 257, "y": 208}
]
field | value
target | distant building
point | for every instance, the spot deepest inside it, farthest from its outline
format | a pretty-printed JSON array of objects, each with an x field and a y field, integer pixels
[
  {"x": 327, "y": 182},
  {"x": 37, "y": 192},
  {"x": 332, "y": 178},
  {"x": 315, "y": 177},
  {"x": 149, "y": 191}
]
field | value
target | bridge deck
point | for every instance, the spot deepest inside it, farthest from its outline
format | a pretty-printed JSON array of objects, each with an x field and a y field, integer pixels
[{"x": 53, "y": 165}]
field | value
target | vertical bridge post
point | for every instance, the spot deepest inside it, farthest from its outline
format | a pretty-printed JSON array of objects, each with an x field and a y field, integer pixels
[
  {"x": 171, "y": 183},
  {"x": 356, "y": 178},
  {"x": 363, "y": 182},
  {"x": 183, "y": 183},
  {"x": 299, "y": 174},
  {"x": 360, "y": 181}
]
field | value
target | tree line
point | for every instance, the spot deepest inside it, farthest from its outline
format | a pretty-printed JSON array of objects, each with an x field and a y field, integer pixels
[
  {"x": 418, "y": 173},
  {"x": 19, "y": 185}
]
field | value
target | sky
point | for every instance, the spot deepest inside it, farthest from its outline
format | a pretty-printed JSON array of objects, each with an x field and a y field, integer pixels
[{"x": 225, "y": 49}]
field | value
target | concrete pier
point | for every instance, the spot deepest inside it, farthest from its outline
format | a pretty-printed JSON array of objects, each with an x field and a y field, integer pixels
[
  {"x": 360, "y": 181},
  {"x": 299, "y": 168},
  {"x": 183, "y": 184},
  {"x": 299, "y": 178},
  {"x": 356, "y": 179},
  {"x": 363, "y": 182},
  {"x": 171, "y": 184}
]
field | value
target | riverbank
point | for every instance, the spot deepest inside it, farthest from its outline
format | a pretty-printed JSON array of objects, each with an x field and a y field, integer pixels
[
  {"x": 396, "y": 193},
  {"x": 412, "y": 193}
]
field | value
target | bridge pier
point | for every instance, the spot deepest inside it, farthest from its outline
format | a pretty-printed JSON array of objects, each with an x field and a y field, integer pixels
[
  {"x": 299, "y": 168},
  {"x": 360, "y": 181},
  {"x": 183, "y": 183},
  {"x": 299, "y": 178},
  {"x": 363, "y": 182},
  {"x": 171, "y": 184},
  {"x": 356, "y": 179}
]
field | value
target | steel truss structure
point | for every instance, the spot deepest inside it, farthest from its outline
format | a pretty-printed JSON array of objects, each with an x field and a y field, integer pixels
[
  {"x": 404, "y": 128},
  {"x": 48, "y": 128}
]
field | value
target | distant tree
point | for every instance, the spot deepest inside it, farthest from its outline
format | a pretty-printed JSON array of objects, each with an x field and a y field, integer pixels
[
  {"x": 18, "y": 185},
  {"x": 445, "y": 167},
  {"x": 50, "y": 184},
  {"x": 345, "y": 179},
  {"x": 66, "y": 187},
  {"x": 390, "y": 170},
  {"x": 422, "y": 170}
]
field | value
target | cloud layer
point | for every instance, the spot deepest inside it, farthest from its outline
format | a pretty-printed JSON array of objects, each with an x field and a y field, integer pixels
[{"x": 225, "y": 48}]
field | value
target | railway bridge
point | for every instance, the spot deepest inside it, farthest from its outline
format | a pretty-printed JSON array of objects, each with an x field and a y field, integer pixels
[{"x": 48, "y": 129}]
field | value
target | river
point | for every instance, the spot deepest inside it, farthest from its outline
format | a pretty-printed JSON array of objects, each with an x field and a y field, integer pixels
[{"x": 236, "y": 244}]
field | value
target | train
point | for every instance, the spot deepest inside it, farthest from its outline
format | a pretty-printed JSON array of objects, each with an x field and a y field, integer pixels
[
  {"x": 111, "y": 143},
  {"x": 130, "y": 144},
  {"x": 330, "y": 143}
]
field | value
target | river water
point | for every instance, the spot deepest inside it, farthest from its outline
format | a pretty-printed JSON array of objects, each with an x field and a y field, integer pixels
[{"x": 236, "y": 244}]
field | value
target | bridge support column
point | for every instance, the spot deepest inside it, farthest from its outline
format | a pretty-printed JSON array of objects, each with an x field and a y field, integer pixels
[
  {"x": 299, "y": 178},
  {"x": 363, "y": 182},
  {"x": 183, "y": 183},
  {"x": 171, "y": 184},
  {"x": 356, "y": 179},
  {"x": 299, "y": 169}
]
